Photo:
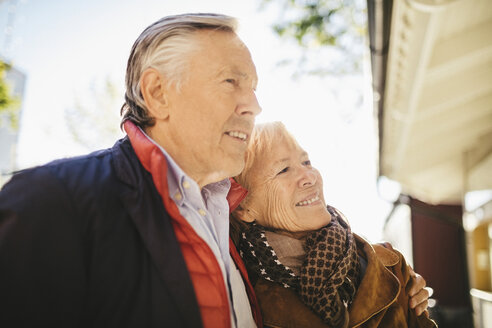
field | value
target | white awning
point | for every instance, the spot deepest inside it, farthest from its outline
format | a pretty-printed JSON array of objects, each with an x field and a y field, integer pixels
[{"x": 436, "y": 118}]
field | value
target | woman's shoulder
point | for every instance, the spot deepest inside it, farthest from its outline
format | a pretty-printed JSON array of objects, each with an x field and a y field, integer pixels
[
  {"x": 385, "y": 284},
  {"x": 384, "y": 252}
]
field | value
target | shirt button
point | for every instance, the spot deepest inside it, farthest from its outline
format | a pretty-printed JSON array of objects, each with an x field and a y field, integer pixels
[
  {"x": 186, "y": 184},
  {"x": 177, "y": 196},
  {"x": 202, "y": 212}
]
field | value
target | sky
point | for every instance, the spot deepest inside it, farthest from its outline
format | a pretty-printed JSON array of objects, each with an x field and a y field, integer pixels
[{"x": 67, "y": 48}]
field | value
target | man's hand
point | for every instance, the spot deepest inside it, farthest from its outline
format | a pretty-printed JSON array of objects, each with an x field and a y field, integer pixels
[{"x": 419, "y": 294}]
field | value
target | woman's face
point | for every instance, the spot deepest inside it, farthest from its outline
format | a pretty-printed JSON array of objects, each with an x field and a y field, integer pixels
[{"x": 287, "y": 192}]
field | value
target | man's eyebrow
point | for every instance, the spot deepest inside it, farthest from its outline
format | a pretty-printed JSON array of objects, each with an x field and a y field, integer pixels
[
  {"x": 281, "y": 161},
  {"x": 238, "y": 73},
  {"x": 233, "y": 71}
]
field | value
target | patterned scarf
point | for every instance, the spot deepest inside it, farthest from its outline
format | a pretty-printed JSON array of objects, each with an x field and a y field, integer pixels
[{"x": 330, "y": 272}]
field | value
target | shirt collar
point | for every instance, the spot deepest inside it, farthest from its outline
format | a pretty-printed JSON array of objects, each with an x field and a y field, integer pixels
[{"x": 178, "y": 180}]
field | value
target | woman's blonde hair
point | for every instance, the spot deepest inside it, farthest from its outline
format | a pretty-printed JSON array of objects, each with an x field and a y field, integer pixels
[{"x": 264, "y": 139}]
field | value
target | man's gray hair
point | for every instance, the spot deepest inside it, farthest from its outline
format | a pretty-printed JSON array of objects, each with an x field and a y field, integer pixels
[{"x": 164, "y": 46}]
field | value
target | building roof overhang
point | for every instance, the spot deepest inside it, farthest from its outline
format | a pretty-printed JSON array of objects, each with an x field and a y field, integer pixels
[{"x": 432, "y": 81}]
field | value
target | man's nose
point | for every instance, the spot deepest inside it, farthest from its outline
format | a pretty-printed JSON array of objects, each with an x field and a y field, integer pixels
[
  {"x": 307, "y": 177},
  {"x": 249, "y": 104}
]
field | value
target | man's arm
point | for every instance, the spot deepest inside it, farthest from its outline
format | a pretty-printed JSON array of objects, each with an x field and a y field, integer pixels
[{"x": 42, "y": 274}]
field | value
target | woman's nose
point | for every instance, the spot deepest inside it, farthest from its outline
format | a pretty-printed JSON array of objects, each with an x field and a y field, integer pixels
[{"x": 307, "y": 177}]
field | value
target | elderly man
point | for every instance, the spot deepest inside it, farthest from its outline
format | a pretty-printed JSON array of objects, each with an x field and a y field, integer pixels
[{"x": 137, "y": 235}]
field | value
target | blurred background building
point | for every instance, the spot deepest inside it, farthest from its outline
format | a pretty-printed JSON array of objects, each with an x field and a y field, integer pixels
[{"x": 432, "y": 82}]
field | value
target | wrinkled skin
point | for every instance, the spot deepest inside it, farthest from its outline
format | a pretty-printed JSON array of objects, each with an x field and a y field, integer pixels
[
  {"x": 206, "y": 123},
  {"x": 288, "y": 192},
  {"x": 284, "y": 177}
]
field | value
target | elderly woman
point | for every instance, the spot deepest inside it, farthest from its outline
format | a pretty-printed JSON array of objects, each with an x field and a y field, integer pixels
[{"x": 307, "y": 267}]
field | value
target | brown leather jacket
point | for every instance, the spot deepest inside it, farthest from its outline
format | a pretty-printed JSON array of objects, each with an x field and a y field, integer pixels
[{"x": 381, "y": 299}]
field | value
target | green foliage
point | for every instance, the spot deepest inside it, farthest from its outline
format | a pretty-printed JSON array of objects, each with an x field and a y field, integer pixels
[
  {"x": 318, "y": 25},
  {"x": 9, "y": 105}
]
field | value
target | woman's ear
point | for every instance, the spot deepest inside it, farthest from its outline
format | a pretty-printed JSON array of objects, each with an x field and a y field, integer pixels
[{"x": 153, "y": 89}]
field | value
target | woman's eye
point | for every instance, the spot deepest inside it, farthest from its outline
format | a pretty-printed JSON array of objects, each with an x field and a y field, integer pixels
[{"x": 283, "y": 171}]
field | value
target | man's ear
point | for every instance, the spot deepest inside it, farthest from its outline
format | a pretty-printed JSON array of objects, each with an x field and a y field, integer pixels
[{"x": 153, "y": 89}]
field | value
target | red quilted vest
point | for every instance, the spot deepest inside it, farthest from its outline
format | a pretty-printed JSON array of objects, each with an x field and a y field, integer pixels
[{"x": 204, "y": 269}]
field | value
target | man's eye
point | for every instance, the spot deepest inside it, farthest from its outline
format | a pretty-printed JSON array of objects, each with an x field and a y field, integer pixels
[
  {"x": 232, "y": 81},
  {"x": 283, "y": 171},
  {"x": 307, "y": 163}
]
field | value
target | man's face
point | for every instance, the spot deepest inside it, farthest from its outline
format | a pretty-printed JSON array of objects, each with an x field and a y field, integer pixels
[
  {"x": 213, "y": 113},
  {"x": 287, "y": 192}
]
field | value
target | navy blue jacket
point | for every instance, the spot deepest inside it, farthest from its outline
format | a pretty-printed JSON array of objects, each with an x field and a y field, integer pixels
[{"x": 86, "y": 242}]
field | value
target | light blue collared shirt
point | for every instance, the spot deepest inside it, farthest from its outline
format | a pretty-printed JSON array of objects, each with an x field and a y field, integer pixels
[{"x": 207, "y": 211}]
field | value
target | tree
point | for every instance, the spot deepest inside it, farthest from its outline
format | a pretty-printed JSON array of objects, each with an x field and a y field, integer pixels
[
  {"x": 323, "y": 29},
  {"x": 9, "y": 105},
  {"x": 93, "y": 120}
]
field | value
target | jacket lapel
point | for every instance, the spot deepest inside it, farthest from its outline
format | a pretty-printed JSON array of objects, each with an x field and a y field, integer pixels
[
  {"x": 144, "y": 205},
  {"x": 255, "y": 308},
  {"x": 378, "y": 284}
]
